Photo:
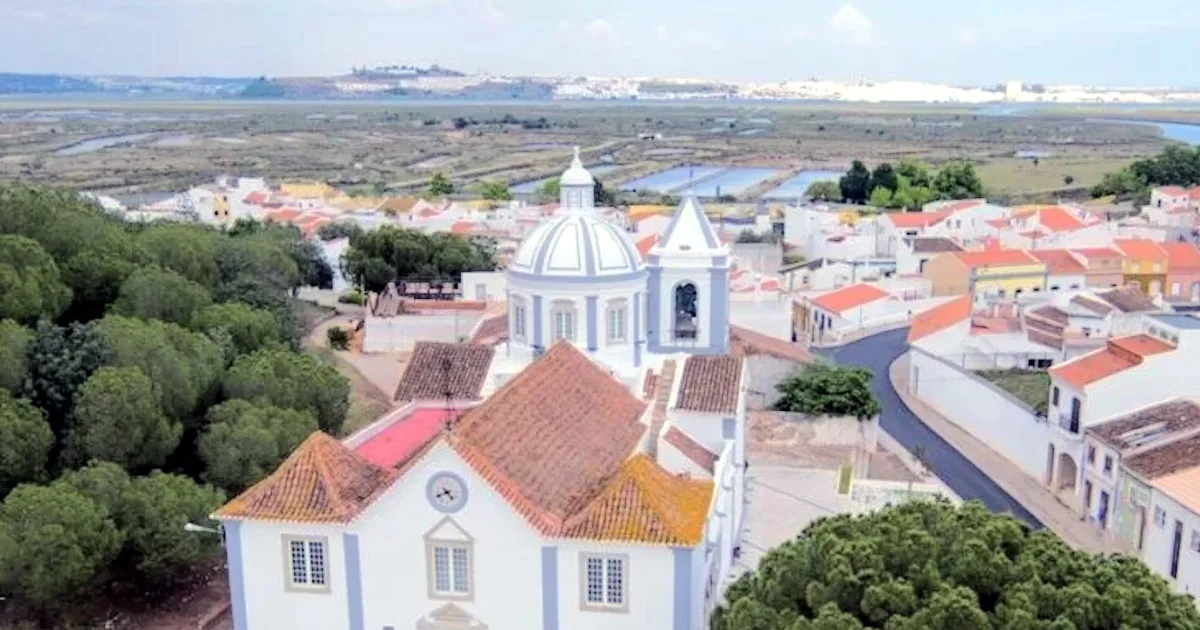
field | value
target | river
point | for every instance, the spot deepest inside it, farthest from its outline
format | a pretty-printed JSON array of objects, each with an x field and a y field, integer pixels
[{"x": 1180, "y": 132}]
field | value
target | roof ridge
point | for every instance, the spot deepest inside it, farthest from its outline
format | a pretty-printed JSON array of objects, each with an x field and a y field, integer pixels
[{"x": 325, "y": 476}]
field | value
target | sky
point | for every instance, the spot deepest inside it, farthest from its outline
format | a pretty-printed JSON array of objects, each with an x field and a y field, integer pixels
[{"x": 961, "y": 42}]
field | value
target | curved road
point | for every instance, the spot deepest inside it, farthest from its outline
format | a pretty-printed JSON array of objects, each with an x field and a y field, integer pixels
[{"x": 877, "y": 353}]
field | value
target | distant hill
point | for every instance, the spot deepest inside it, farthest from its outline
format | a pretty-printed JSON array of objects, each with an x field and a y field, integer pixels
[{"x": 12, "y": 83}]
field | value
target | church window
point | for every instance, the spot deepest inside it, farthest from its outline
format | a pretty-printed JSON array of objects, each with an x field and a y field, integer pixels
[
  {"x": 604, "y": 582},
  {"x": 617, "y": 321},
  {"x": 518, "y": 319},
  {"x": 450, "y": 562},
  {"x": 564, "y": 321},
  {"x": 686, "y": 312},
  {"x": 306, "y": 564}
]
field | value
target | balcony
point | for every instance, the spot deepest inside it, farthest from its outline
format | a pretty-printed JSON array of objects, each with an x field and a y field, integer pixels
[{"x": 1069, "y": 424}]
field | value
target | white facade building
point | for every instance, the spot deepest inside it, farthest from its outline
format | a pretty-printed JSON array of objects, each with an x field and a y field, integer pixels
[{"x": 599, "y": 482}]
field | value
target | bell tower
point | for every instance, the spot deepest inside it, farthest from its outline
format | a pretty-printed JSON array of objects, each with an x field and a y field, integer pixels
[{"x": 688, "y": 292}]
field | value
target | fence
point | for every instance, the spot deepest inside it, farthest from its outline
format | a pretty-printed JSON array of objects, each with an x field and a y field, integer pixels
[{"x": 976, "y": 361}]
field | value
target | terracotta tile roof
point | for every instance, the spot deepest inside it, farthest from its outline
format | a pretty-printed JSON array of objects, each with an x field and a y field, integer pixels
[
  {"x": 646, "y": 243},
  {"x": 1167, "y": 459},
  {"x": 710, "y": 384},
  {"x": 1056, "y": 219},
  {"x": 320, "y": 482},
  {"x": 1120, "y": 355},
  {"x": 996, "y": 258},
  {"x": 960, "y": 205},
  {"x": 1182, "y": 256},
  {"x": 1059, "y": 261},
  {"x": 853, "y": 296},
  {"x": 1183, "y": 486},
  {"x": 1173, "y": 191},
  {"x": 396, "y": 444},
  {"x": 1128, "y": 300},
  {"x": 909, "y": 220},
  {"x": 491, "y": 330},
  {"x": 997, "y": 223},
  {"x": 256, "y": 198},
  {"x": 283, "y": 215},
  {"x": 1052, "y": 313},
  {"x": 399, "y": 205},
  {"x": 1167, "y": 418},
  {"x": 745, "y": 342},
  {"x": 644, "y": 503},
  {"x": 691, "y": 449},
  {"x": 1097, "y": 252},
  {"x": 1044, "y": 338},
  {"x": 1095, "y": 306},
  {"x": 940, "y": 318},
  {"x": 1140, "y": 249},
  {"x": 462, "y": 227},
  {"x": 934, "y": 244},
  {"x": 438, "y": 370},
  {"x": 552, "y": 436}
]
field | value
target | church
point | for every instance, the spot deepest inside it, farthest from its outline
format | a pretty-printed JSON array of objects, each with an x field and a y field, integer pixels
[{"x": 589, "y": 472}]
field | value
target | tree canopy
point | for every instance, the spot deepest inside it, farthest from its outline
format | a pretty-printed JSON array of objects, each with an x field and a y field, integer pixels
[
  {"x": 856, "y": 183},
  {"x": 156, "y": 293},
  {"x": 14, "y": 362},
  {"x": 388, "y": 253},
  {"x": 493, "y": 190},
  {"x": 549, "y": 191},
  {"x": 909, "y": 185},
  {"x": 249, "y": 328},
  {"x": 29, "y": 281},
  {"x": 824, "y": 191},
  {"x": 25, "y": 442},
  {"x": 825, "y": 389},
  {"x": 957, "y": 180},
  {"x": 927, "y": 565},
  {"x": 60, "y": 359},
  {"x": 292, "y": 381},
  {"x": 118, "y": 419},
  {"x": 1176, "y": 166},
  {"x": 440, "y": 185},
  {"x": 244, "y": 442}
]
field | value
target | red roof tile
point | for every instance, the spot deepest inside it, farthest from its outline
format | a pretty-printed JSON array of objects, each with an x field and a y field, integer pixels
[
  {"x": 1058, "y": 220},
  {"x": 1173, "y": 191},
  {"x": 691, "y": 449},
  {"x": 853, "y": 296},
  {"x": 550, "y": 438},
  {"x": 710, "y": 384},
  {"x": 1181, "y": 256},
  {"x": 1059, "y": 261},
  {"x": 996, "y": 258},
  {"x": 911, "y": 220},
  {"x": 394, "y": 445},
  {"x": 746, "y": 342},
  {"x": 1120, "y": 355},
  {"x": 940, "y": 318},
  {"x": 960, "y": 205},
  {"x": 320, "y": 482},
  {"x": 437, "y": 371},
  {"x": 1097, "y": 252},
  {"x": 1140, "y": 249},
  {"x": 646, "y": 243},
  {"x": 491, "y": 330},
  {"x": 462, "y": 227}
]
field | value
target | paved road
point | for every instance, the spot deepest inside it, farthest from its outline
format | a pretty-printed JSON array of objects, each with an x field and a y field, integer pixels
[{"x": 877, "y": 353}]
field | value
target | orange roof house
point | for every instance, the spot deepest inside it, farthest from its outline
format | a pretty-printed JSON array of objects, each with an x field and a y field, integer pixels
[
  {"x": 940, "y": 318},
  {"x": 915, "y": 220},
  {"x": 1059, "y": 262},
  {"x": 851, "y": 297},
  {"x": 1006, "y": 271},
  {"x": 1119, "y": 355}
]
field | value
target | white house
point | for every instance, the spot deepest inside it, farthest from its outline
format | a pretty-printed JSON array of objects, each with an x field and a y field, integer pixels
[
  {"x": 966, "y": 220},
  {"x": 1172, "y": 540},
  {"x": 1128, "y": 373},
  {"x": 853, "y": 307},
  {"x": 912, "y": 253}
]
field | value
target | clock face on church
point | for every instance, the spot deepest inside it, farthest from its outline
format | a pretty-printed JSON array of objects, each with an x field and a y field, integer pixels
[{"x": 446, "y": 492}]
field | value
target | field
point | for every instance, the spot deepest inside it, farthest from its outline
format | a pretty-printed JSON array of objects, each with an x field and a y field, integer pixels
[
  {"x": 1030, "y": 387},
  {"x": 142, "y": 146}
]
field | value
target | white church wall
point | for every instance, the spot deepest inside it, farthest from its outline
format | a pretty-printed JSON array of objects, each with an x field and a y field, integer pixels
[
  {"x": 484, "y": 286},
  {"x": 507, "y": 568},
  {"x": 269, "y": 604},
  {"x": 650, "y": 573}
]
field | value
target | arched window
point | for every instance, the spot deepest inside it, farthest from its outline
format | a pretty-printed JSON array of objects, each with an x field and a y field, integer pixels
[
  {"x": 686, "y": 312},
  {"x": 563, "y": 315},
  {"x": 617, "y": 321}
]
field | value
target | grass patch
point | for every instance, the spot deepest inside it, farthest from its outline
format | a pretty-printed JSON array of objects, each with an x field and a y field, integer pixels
[
  {"x": 367, "y": 403},
  {"x": 1005, "y": 176},
  {"x": 1030, "y": 386}
]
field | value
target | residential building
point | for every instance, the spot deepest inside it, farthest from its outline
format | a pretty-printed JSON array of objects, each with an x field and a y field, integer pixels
[
  {"x": 1183, "y": 272},
  {"x": 1063, "y": 270},
  {"x": 1140, "y": 441},
  {"x": 966, "y": 220},
  {"x": 851, "y": 307},
  {"x": 1130, "y": 372},
  {"x": 996, "y": 272},
  {"x": 1145, "y": 265},
  {"x": 1103, "y": 266},
  {"x": 981, "y": 338},
  {"x": 912, "y": 254},
  {"x": 1172, "y": 546},
  {"x": 895, "y": 227}
]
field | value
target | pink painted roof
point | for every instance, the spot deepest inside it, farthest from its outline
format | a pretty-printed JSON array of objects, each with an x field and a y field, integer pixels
[{"x": 395, "y": 444}]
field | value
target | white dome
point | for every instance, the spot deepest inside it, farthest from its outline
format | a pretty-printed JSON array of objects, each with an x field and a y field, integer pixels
[
  {"x": 577, "y": 246},
  {"x": 576, "y": 175}
]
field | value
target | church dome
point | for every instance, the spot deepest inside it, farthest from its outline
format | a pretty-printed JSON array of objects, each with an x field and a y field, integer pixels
[
  {"x": 576, "y": 175},
  {"x": 576, "y": 245}
]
